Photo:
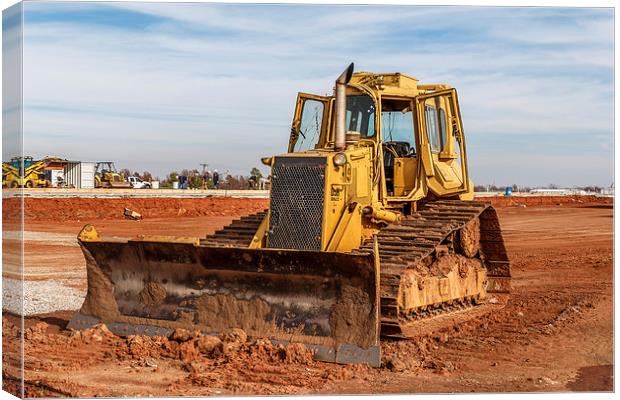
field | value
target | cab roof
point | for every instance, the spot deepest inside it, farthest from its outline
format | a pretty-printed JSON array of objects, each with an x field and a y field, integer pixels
[{"x": 393, "y": 83}]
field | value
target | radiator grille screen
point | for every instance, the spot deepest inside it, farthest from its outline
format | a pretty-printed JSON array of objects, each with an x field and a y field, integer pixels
[{"x": 297, "y": 198}]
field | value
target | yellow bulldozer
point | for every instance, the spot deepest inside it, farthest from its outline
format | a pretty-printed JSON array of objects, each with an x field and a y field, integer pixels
[
  {"x": 107, "y": 177},
  {"x": 371, "y": 231}
]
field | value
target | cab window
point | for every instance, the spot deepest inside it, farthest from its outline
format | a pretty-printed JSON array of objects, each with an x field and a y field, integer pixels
[
  {"x": 397, "y": 125},
  {"x": 361, "y": 115},
  {"x": 432, "y": 130},
  {"x": 442, "y": 127},
  {"x": 310, "y": 126}
]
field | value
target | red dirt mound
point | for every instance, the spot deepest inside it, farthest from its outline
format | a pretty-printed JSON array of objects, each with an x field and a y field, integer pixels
[
  {"x": 516, "y": 201},
  {"x": 75, "y": 208}
]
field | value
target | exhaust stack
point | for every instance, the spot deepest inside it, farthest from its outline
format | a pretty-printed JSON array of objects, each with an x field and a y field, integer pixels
[{"x": 341, "y": 107}]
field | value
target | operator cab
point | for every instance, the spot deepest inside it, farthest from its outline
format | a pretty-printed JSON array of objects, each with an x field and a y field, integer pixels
[{"x": 415, "y": 130}]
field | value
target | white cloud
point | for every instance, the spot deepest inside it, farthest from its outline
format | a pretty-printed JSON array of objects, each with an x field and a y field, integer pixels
[{"x": 219, "y": 83}]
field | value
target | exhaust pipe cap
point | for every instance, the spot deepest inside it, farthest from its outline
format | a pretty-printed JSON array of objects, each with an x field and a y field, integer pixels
[{"x": 346, "y": 75}]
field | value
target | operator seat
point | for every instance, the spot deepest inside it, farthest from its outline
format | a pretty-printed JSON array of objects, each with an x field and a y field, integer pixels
[{"x": 403, "y": 150}]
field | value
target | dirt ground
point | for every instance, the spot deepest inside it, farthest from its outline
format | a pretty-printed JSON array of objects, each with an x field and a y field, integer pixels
[{"x": 555, "y": 334}]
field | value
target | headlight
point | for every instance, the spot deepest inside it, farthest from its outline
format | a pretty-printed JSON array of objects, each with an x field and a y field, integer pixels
[{"x": 340, "y": 159}]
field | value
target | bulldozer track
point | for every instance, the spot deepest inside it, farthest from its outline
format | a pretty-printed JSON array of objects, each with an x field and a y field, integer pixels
[
  {"x": 403, "y": 245},
  {"x": 239, "y": 233}
]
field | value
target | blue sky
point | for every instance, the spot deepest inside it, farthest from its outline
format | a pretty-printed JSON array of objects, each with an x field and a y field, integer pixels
[{"x": 161, "y": 87}]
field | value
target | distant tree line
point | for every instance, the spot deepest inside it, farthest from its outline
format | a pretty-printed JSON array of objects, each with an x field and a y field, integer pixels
[
  {"x": 198, "y": 180},
  {"x": 201, "y": 180}
]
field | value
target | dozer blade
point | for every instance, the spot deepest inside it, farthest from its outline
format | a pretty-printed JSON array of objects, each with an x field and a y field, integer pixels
[
  {"x": 328, "y": 301},
  {"x": 120, "y": 185}
]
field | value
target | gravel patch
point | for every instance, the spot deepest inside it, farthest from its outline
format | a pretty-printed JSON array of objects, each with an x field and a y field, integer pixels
[{"x": 39, "y": 297}]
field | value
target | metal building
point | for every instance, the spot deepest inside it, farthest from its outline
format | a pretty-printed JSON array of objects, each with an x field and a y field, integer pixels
[{"x": 80, "y": 175}]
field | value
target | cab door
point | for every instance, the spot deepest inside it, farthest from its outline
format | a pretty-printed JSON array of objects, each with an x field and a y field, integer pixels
[
  {"x": 311, "y": 123},
  {"x": 442, "y": 143}
]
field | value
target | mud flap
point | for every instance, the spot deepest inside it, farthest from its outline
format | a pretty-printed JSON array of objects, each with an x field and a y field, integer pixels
[{"x": 328, "y": 301}]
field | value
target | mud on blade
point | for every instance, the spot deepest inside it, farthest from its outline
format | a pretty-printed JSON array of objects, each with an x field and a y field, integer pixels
[{"x": 328, "y": 301}]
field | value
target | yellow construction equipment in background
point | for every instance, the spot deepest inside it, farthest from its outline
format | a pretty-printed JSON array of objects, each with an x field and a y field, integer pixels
[
  {"x": 10, "y": 174},
  {"x": 25, "y": 172},
  {"x": 370, "y": 231},
  {"x": 107, "y": 177}
]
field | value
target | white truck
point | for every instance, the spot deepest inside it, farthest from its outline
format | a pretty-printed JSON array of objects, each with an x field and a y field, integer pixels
[{"x": 138, "y": 183}]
